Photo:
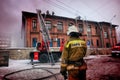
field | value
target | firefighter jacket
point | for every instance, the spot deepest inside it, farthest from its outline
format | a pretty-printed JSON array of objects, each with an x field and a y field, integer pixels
[{"x": 74, "y": 50}]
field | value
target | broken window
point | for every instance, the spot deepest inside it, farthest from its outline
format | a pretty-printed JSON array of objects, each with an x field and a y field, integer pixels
[
  {"x": 105, "y": 35},
  {"x": 34, "y": 24},
  {"x": 49, "y": 25},
  {"x": 60, "y": 26},
  {"x": 80, "y": 28},
  {"x": 89, "y": 28}
]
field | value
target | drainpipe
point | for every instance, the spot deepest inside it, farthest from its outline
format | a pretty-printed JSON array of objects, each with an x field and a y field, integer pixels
[
  {"x": 101, "y": 34},
  {"x": 111, "y": 39}
]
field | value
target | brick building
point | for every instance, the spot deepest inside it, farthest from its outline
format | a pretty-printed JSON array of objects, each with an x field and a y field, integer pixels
[{"x": 96, "y": 34}]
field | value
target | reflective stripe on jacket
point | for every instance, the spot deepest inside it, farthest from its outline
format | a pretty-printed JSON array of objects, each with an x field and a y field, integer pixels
[{"x": 74, "y": 49}]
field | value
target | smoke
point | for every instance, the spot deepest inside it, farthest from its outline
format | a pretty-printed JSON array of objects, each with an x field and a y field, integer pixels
[
  {"x": 11, "y": 14},
  {"x": 11, "y": 18},
  {"x": 4, "y": 15}
]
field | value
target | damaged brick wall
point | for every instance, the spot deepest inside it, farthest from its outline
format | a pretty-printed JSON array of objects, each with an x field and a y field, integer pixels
[
  {"x": 24, "y": 53},
  {"x": 20, "y": 53}
]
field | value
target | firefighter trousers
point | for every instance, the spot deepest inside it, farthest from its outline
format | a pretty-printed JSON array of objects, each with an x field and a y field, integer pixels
[
  {"x": 77, "y": 73},
  {"x": 80, "y": 76}
]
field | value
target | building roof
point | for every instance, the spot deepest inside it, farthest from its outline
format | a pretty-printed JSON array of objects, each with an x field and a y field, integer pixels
[
  {"x": 32, "y": 14},
  {"x": 108, "y": 23}
]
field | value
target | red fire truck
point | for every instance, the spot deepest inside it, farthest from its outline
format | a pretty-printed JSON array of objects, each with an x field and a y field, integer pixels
[
  {"x": 116, "y": 50},
  {"x": 43, "y": 52}
]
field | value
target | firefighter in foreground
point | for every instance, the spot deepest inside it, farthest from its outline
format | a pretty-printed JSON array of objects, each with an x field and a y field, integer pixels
[{"x": 72, "y": 56}]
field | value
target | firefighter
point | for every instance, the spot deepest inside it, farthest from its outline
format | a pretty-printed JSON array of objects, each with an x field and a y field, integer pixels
[
  {"x": 73, "y": 66},
  {"x": 62, "y": 45}
]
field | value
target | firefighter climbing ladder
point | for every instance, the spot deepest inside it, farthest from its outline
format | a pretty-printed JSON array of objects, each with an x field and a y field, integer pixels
[{"x": 45, "y": 34}]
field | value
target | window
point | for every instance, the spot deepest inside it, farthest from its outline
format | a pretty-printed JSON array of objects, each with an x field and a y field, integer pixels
[
  {"x": 97, "y": 42},
  {"x": 49, "y": 25},
  {"x": 70, "y": 24},
  {"x": 60, "y": 26},
  {"x": 34, "y": 41},
  {"x": 51, "y": 43},
  {"x": 107, "y": 45},
  {"x": 34, "y": 24},
  {"x": 91, "y": 42},
  {"x": 58, "y": 42},
  {"x": 80, "y": 28},
  {"x": 96, "y": 30},
  {"x": 89, "y": 28},
  {"x": 105, "y": 35}
]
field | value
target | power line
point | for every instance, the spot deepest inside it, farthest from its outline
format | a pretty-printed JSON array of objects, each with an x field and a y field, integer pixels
[
  {"x": 71, "y": 10},
  {"x": 69, "y": 7},
  {"x": 75, "y": 9},
  {"x": 95, "y": 9},
  {"x": 60, "y": 7}
]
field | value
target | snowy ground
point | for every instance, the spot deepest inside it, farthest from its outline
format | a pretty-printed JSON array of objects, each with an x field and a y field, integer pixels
[
  {"x": 17, "y": 65},
  {"x": 99, "y": 68},
  {"x": 104, "y": 68}
]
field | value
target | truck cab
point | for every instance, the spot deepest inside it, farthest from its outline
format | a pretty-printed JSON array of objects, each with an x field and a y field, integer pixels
[{"x": 115, "y": 51}]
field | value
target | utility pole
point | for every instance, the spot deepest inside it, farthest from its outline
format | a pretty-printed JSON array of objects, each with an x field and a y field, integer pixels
[
  {"x": 76, "y": 19},
  {"x": 88, "y": 34},
  {"x": 111, "y": 38}
]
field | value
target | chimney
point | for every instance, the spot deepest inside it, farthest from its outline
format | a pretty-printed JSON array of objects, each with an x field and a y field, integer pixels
[
  {"x": 53, "y": 13},
  {"x": 78, "y": 17},
  {"x": 47, "y": 12}
]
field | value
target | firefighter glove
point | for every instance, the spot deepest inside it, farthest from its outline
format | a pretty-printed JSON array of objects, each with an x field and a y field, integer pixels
[{"x": 64, "y": 73}]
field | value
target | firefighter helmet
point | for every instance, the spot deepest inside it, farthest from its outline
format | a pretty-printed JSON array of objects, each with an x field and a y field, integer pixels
[{"x": 72, "y": 29}]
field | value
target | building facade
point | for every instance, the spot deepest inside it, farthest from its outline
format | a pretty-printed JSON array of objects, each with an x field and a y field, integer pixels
[{"x": 96, "y": 34}]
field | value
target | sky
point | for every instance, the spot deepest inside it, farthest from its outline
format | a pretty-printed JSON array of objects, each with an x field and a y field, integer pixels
[{"x": 95, "y": 10}]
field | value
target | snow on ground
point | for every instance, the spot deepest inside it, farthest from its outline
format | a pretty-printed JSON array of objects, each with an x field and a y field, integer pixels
[
  {"x": 104, "y": 68},
  {"x": 16, "y": 65},
  {"x": 99, "y": 67}
]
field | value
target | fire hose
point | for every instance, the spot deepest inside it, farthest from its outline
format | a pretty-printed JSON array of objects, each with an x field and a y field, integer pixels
[{"x": 6, "y": 77}]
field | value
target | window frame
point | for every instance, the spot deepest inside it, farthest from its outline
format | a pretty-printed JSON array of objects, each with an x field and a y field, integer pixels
[
  {"x": 60, "y": 26},
  {"x": 34, "y": 24},
  {"x": 34, "y": 39},
  {"x": 48, "y": 24},
  {"x": 89, "y": 28},
  {"x": 70, "y": 24},
  {"x": 80, "y": 28},
  {"x": 105, "y": 34}
]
